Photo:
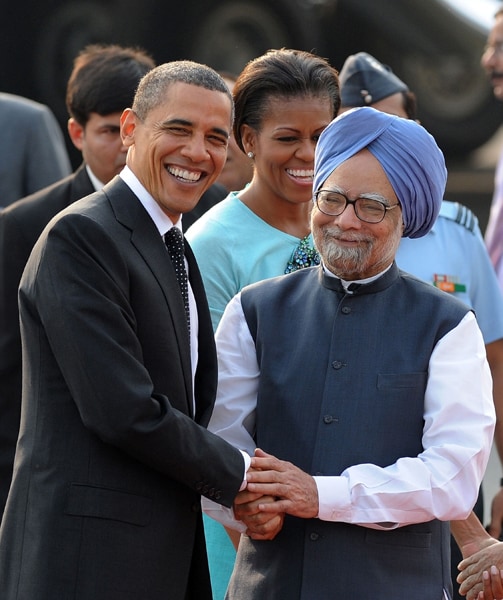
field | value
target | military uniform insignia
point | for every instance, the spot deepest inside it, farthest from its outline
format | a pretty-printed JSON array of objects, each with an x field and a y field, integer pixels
[{"x": 448, "y": 283}]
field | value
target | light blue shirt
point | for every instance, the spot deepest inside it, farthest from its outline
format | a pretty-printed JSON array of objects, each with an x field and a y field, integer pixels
[{"x": 453, "y": 257}]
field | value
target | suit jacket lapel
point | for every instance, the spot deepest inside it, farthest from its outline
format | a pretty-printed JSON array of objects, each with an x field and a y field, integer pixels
[{"x": 146, "y": 239}]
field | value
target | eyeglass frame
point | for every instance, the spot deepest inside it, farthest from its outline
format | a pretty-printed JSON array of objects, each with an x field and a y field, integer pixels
[{"x": 382, "y": 201}]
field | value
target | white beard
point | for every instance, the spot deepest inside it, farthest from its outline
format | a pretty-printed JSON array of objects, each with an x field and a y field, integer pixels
[{"x": 352, "y": 262}]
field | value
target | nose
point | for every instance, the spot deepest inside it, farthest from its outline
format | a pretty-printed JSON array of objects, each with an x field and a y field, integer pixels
[
  {"x": 488, "y": 58},
  {"x": 195, "y": 148},
  {"x": 306, "y": 150},
  {"x": 348, "y": 219}
]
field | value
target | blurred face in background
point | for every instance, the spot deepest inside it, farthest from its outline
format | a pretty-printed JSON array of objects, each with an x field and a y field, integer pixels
[
  {"x": 100, "y": 143},
  {"x": 492, "y": 59}
]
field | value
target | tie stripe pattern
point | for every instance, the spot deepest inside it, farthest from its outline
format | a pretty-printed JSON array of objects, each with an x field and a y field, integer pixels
[{"x": 174, "y": 243}]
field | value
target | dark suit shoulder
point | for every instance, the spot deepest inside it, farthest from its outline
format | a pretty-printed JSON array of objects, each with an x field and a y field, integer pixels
[{"x": 31, "y": 214}]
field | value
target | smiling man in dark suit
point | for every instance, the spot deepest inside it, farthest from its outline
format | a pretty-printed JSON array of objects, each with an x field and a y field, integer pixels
[
  {"x": 102, "y": 84},
  {"x": 113, "y": 454}
]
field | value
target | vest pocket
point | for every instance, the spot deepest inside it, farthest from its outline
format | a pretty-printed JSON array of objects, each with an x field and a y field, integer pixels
[{"x": 388, "y": 381}]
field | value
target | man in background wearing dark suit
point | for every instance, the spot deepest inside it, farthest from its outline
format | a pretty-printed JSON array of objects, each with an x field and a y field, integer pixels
[
  {"x": 102, "y": 84},
  {"x": 32, "y": 148},
  {"x": 118, "y": 387}
]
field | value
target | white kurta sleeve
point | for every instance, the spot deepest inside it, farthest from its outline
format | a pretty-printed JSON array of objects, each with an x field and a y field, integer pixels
[
  {"x": 443, "y": 481},
  {"x": 233, "y": 416}
]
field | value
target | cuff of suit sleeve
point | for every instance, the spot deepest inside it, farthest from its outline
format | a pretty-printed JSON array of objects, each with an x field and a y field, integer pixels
[
  {"x": 247, "y": 460},
  {"x": 223, "y": 515}
]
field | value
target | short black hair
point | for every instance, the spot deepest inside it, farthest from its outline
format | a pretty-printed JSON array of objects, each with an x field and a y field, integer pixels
[
  {"x": 281, "y": 73},
  {"x": 104, "y": 80},
  {"x": 149, "y": 93}
]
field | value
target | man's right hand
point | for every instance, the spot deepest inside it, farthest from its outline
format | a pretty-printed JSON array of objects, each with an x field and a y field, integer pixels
[{"x": 260, "y": 525}]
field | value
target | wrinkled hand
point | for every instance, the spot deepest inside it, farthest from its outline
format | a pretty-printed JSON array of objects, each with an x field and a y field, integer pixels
[
  {"x": 496, "y": 515},
  {"x": 260, "y": 525},
  {"x": 473, "y": 567},
  {"x": 295, "y": 491}
]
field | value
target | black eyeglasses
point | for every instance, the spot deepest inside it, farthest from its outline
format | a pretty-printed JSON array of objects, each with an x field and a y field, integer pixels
[{"x": 333, "y": 203}]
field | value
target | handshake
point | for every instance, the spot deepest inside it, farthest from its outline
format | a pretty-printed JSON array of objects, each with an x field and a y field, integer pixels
[{"x": 274, "y": 488}]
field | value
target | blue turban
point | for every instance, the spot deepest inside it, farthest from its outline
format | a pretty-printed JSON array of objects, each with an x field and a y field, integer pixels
[{"x": 409, "y": 155}]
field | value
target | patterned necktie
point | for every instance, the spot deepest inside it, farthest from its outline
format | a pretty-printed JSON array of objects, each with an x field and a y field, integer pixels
[{"x": 174, "y": 243}]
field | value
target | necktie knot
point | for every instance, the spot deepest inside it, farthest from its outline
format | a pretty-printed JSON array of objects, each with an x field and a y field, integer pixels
[{"x": 176, "y": 250}]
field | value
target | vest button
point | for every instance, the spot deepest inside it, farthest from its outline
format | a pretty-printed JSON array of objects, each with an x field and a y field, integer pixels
[
  {"x": 313, "y": 536},
  {"x": 346, "y": 310},
  {"x": 329, "y": 419},
  {"x": 337, "y": 364}
]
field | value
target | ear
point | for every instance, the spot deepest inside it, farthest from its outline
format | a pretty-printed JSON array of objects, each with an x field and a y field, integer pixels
[
  {"x": 129, "y": 121},
  {"x": 248, "y": 138},
  {"x": 76, "y": 133}
]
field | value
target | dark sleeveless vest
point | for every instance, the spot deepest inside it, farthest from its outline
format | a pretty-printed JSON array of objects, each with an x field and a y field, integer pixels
[{"x": 342, "y": 383}]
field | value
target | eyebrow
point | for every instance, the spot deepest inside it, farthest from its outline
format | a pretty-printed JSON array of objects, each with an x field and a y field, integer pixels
[
  {"x": 367, "y": 195},
  {"x": 375, "y": 196},
  {"x": 185, "y": 123}
]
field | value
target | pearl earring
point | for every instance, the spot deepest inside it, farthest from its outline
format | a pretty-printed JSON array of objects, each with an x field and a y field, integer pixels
[{"x": 250, "y": 154}]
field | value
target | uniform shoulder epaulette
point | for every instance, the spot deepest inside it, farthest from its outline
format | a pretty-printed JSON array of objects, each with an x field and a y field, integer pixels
[{"x": 460, "y": 214}]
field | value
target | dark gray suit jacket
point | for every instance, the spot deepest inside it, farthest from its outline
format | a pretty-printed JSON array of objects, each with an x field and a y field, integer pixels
[
  {"x": 111, "y": 460},
  {"x": 32, "y": 148},
  {"x": 21, "y": 224}
]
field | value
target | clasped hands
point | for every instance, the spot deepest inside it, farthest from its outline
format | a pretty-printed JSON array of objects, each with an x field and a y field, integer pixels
[
  {"x": 274, "y": 488},
  {"x": 481, "y": 570}
]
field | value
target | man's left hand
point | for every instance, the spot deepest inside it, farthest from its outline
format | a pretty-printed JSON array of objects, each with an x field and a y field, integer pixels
[{"x": 295, "y": 491}]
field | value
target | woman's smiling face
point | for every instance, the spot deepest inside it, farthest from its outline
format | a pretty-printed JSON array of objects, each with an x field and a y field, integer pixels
[{"x": 284, "y": 146}]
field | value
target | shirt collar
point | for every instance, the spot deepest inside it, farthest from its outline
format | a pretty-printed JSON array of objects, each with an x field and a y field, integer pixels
[
  {"x": 97, "y": 184},
  {"x": 346, "y": 284},
  {"x": 161, "y": 219}
]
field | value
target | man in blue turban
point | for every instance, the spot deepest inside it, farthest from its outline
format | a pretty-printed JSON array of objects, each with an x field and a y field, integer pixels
[
  {"x": 363, "y": 392},
  {"x": 409, "y": 155}
]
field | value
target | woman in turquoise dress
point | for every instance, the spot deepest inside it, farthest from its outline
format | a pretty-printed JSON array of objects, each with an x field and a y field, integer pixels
[{"x": 283, "y": 101}]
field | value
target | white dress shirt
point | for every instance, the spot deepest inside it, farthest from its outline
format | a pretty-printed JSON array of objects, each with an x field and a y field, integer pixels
[{"x": 164, "y": 224}]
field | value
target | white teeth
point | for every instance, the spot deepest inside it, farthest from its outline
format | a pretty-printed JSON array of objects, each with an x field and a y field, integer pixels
[
  {"x": 184, "y": 174},
  {"x": 301, "y": 172}
]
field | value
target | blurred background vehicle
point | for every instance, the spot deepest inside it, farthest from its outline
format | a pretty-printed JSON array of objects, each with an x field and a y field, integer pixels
[{"x": 434, "y": 45}]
